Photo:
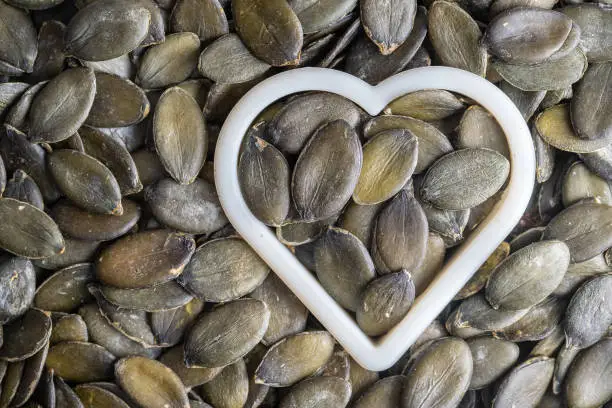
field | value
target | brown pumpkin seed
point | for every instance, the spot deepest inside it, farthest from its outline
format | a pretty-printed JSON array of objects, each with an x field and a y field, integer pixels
[
  {"x": 426, "y": 105},
  {"x": 587, "y": 380},
  {"x": 538, "y": 323},
  {"x": 318, "y": 391},
  {"x": 71, "y": 327},
  {"x": 191, "y": 377},
  {"x": 525, "y": 384},
  {"x": 492, "y": 358},
  {"x": 18, "y": 43},
  {"x": 17, "y": 287},
  {"x": 206, "y": 18},
  {"x": 590, "y": 106},
  {"x": 26, "y": 335},
  {"x": 23, "y": 188},
  {"x": 230, "y": 388},
  {"x": 478, "y": 128}
]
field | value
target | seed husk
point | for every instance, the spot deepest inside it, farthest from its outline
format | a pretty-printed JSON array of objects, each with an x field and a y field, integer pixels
[
  {"x": 527, "y": 102},
  {"x": 65, "y": 396},
  {"x": 225, "y": 334},
  {"x": 456, "y": 37},
  {"x": 526, "y": 384},
  {"x": 426, "y": 105},
  {"x": 478, "y": 128},
  {"x": 303, "y": 232},
  {"x": 70, "y": 327},
  {"x": 30, "y": 377},
  {"x": 144, "y": 259},
  {"x": 432, "y": 144},
  {"x": 344, "y": 266},
  {"x": 588, "y": 315},
  {"x": 287, "y": 314},
  {"x": 477, "y": 174},
  {"x": 271, "y": 30},
  {"x": 431, "y": 380},
  {"x": 295, "y": 358},
  {"x": 72, "y": 282},
  {"x": 590, "y": 105},
  {"x": 166, "y": 296},
  {"x": 475, "y": 312},
  {"x": 289, "y": 132},
  {"x": 480, "y": 278},
  {"x": 230, "y": 388},
  {"x": 265, "y": 179},
  {"x": 18, "y": 48},
  {"x": 528, "y": 276},
  {"x": 76, "y": 252},
  {"x": 191, "y": 377},
  {"x": 91, "y": 38},
  {"x": 388, "y": 24},
  {"x": 97, "y": 397},
  {"x": 26, "y": 335},
  {"x": 595, "y": 24},
  {"x": 492, "y": 358},
  {"x": 205, "y": 18},
  {"x": 549, "y": 75},
  {"x": 580, "y": 184},
  {"x": 169, "y": 326},
  {"x": 318, "y": 391},
  {"x": 27, "y": 231},
  {"x": 587, "y": 379},
  {"x": 17, "y": 287},
  {"x": 320, "y": 190},
  {"x": 23, "y": 188},
  {"x": 538, "y": 323},
  {"x": 384, "y": 302},
  {"x": 435, "y": 254},
  {"x": 584, "y": 227},
  {"x": 12, "y": 378},
  {"x": 180, "y": 135}
]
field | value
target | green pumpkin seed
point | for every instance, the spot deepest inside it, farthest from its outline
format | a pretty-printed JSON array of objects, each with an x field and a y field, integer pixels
[
  {"x": 587, "y": 383},
  {"x": 432, "y": 380},
  {"x": 205, "y": 18},
  {"x": 92, "y": 38},
  {"x": 51, "y": 56},
  {"x": 382, "y": 179},
  {"x": 303, "y": 232},
  {"x": 191, "y": 377},
  {"x": 590, "y": 111},
  {"x": 344, "y": 267},
  {"x": 30, "y": 377},
  {"x": 65, "y": 396},
  {"x": 10, "y": 92},
  {"x": 528, "y": 276},
  {"x": 230, "y": 388},
  {"x": 180, "y": 135},
  {"x": 228, "y": 60},
  {"x": 320, "y": 190},
  {"x": 96, "y": 397},
  {"x": 549, "y": 75},
  {"x": 385, "y": 393},
  {"x": 11, "y": 382},
  {"x": 339, "y": 365},
  {"x": 538, "y": 323},
  {"x": 222, "y": 98},
  {"x": 17, "y": 287},
  {"x": 295, "y": 358},
  {"x": 271, "y": 30},
  {"x": 170, "y": 62},
  {"x": 120, "y": 66},
  {"x": 317, "y": 15},
  {"x": 315, "y": 50},
  {"x": 478, "y": 128},
  {"x": 526, "y": 384},
  {"x": 71, "y": 327},
  {"x": 456, "y": 37},
  {"x": 432, "y": 144},
  {"x": 165, "y": 296},
  {"x": 318, "y": 392},
  {"x": 550, "y": 344},
  {"x": 169, "y": 326},
  {"x": 563, "y": 361},
  {"x": 475, "y": 312},
  {"x": 225, "y": 334},
  {"x": 480, "y": 278},
  {"x": 23, "y": 188},
  {"x": 360, "y": 379},
  {"x": 435, "y": 254},
  {"x": 75, "y": 252},
  {"x": 150, "y": 383},
  {"x": 72, "y": 282},
  {"x": 264, "y": 177},
  {"x": 600, "y": 162},
  {"x": 426, "y": 105},
  {"x": 557, "y": 96},
  {"x": 449, "y": 224},
  {"x": 388, "y": 24},
  {"x": 545, "y": 157},
  {"x": 150, "y": 170},
  {"x": 359, "y": 220},
  {"x": 26, "y": 335},
  {"x": 18, "y": 43},
  {"x": 492, "y": 358},
  {"x": 580, "y": 183},
  {"x": 527, "y": 102},
  {"x": 595, "y": 24}
]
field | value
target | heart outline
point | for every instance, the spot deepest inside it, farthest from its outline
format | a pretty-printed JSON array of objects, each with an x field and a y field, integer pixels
[{"x": 377, "y": 354}]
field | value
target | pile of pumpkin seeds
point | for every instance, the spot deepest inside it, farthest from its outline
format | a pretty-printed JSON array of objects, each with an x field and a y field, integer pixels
[{"x": 122, "y": 284}]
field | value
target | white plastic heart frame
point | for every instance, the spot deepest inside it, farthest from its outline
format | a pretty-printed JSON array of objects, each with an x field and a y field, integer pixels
[{"x": 381, "y": 353}]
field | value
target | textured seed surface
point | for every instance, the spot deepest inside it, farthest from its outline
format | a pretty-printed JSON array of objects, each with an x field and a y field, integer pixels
[
  {"x": 388, "y": 24},
  {"x": 590, "y": 106},
  {"x": 166, "y": 296},
  {"x": 476, "y": 312},
  {"x": 427, "y": 105},
  {"x": 190, "y": 376},
  {"x": 595, "y": 24},
  {"x": 492, "y": 358},
  {"x": 206, "y": 18},
  {"x": 478, "y": 128},
  {"x": 539, "y": 322},
  {"x": 586, "y": 383},
  {"x": 230, "y": 388},
  {"x": 525, "y": 384},
  {"x": 18, "y": 49},
  {"x": 17, "y": 287},
  {"x": 318, "y": 391},
  {"x": 71, "y": 282}
]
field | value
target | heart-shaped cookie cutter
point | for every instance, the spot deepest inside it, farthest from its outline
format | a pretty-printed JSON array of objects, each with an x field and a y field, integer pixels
[{"x": 380, "y": 353}]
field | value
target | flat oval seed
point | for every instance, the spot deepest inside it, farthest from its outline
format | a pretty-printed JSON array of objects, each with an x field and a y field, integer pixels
[
  {"x": 475, "y": 312},
  {"x": 205, "y": 18},
  {"x": 326, "y": 171},
  {"x": 81, "y": 362},
  {"x": 27, "y": 231},
  {"x": 30, "y": 377},
  {"x": 480, "y": 278},
  {"x": 426, "y": 105},
  {"x": 92, "y": 38},
  {"x": 580, "y": 183},
  {"x": 492, "y": 358},
  {"x": 589, "y": 315},
  {"x": 191, "y": 377},
  {"x": 388, "y": 24},
  {"x": 385, "y": 393},
  {"x": 549, "y": 75},
  {"x": 228, "y": 60},
  {"x": 62, "y": 106},
  {"x": 230, "y": 388},
  {"x": 75, "y": 252},
  {"x": 400, "y": 235},
  {"x": 96, "y": 397},
  {"x": 435, "y": 254},
  {"x": 456, "y": 37},
  {"x": 297, "y": 233},
  {"x": 64, "y": 395},
  {"x": 71, "y": 327},
  {"x": 192, "y": 208},
  {"x": 440, "y": 376},
  {"x": 539, "y": 322},
  {"x": 585, "y": 228},
  {"x": 17, "y": 287},
  {"x": 150, "y": 383},
  {"x": 18, "y": 43},
  {"x": 478, "y": 128},
  {"x": 169, "y": 326},
  {"x": 526, "y": 384},
  {"x": 120, "y": 66},
  {"x": 600, "y": 162},
  {"x": 71, "y": 282},
  {"x": 289, "y": 132},
  {"x": 527, "y": 35},
  {"x": 318, "y": 391},
  {"x": 527, "y": 102},
  {"x": 344, "y": 267},
  {"x": 23, "y": 188},
  {"x": 449, "y": 224},
  {"x": 86, "y": 181},
  {"x": 528, "y": 276},
  {"x": 118, "y": 102},
  {"x": 389, "y": 160},
  {"x": 11, "y": 381},
  {"x": 385, "y": 302},
  {"x": 180, "y": 135},
  {"x": 318, "y": 15},
  {"x": 359, "y": 220},
  {"x": 465, "y": 178},
  {"x": 596, "y": 25},
  {"x": 11, "y": 92},
  {"x": 225, "y": 334},
  {"x": 587, "y": 383},
  {"x": 264, "y": 176},
  {"x": 26, "y": 336},
  {"x": 166, "y": 296},
  {"x": 590, "y": 105},
  {"x": 294, "y": 358},
  {"x": 224, "y": 269},
  {"x": 271, "y": 30}
]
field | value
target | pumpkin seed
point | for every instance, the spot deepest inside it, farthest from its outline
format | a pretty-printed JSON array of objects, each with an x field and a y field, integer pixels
[
  {"x": 563, "y": 361},
  {"x": 388, "y": 24},
  {"x": 589, "y": 107},
  {"x": 538, "y": 323},
  {"x": 595, "y": 24},
  {"x": 360, "y": 379},
  {"x": 71, "y": 327},
  {"x": 303, "y": 232},
  {"x": 230, "y": 388},
  {"x": 75, "y": 252},
  {"x": 17, "y": 287},
  {"x": 550, "y": 344},
  {"x": 600, "y": 162},
  {"x": 318, "y": 391},
  {"x": 359, "y": 220},
  {"x": 166, "y": 296},
  {"x": 435, "y": 255},
  {"x": 191, "y": 377},
  {"x": 10, "y": 92},
  {"x": 169, "y": 326},
  {"x": 11, "y": 382},
  {"x": 426, "y": 105},
  {"x": 586, "y": 383},
  {"x": 492, "y": 358},
  {"x": 480, "y": 278},
  {"x": 317, "y": 15},
  {"x": 205, "y": 18},
  {"x": 23, "y": 188},
  {"x": 337, "y": 366},
  {"x": 580, "y": 183},
  {"x": 525, "y": 384},
  {"x": 81, "y": 362},
  {"x": 527, "y": 102},
  {"x": 30, "y": 377},
  {"x": 18, "y": 43},
  {"x": 475, "y": 312},
  {"x": 65, "y": 396},
  {"x": 72, "y": 282},
  {"x": 98, "y": 397},
  {"x": 478, "y": 128},
  {"x": 385, "y": 393},
  {"x": 25, "y": 336}
]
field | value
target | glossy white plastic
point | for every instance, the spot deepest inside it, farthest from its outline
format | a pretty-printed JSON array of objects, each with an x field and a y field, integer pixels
[{"x": 381, "y": 353}]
